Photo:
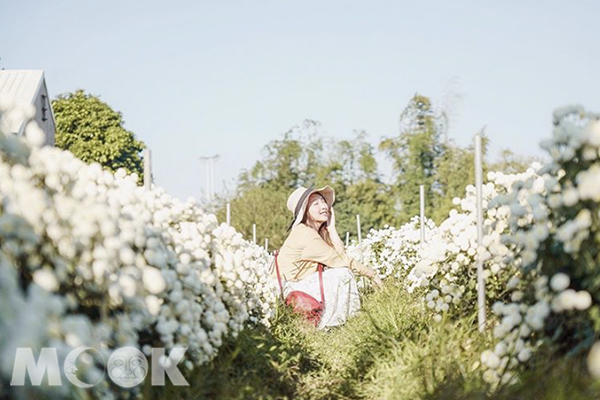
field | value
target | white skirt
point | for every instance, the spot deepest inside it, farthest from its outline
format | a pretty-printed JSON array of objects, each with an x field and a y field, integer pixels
[{"x": 341, "y": 294}]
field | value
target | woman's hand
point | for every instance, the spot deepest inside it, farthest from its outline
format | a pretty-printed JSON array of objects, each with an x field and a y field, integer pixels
[
  {"x": 331, "y": 222},
  {"x": 375, "y": 278},
  {"x": 377, "y": 282}
]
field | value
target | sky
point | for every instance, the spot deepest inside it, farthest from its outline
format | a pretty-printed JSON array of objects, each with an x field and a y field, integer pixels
[{"x": 198, "y": 78}]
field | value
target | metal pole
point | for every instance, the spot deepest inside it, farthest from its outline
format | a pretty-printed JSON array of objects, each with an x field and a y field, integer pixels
[
  {"x": 478, "y": 185},
  {"x": 359, "y": 236},
  {"x": 228, "y": 214},
  {"x": 147, "y": 169},
  {"x": 212, "y": 175},
  {"x": 360, "y": 244},
  {"x": 347, "y": 238},
  {"x": 254, "y": 233},
  {"x": 267, "y": 244},
  {"x": 422, "y": 199},
  {"x": 207, "y": 162}
]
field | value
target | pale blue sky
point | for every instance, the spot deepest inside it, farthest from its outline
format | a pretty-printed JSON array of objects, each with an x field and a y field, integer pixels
[{"x": 202, "y": 77}]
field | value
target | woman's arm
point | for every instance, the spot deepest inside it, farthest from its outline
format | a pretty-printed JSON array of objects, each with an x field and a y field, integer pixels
[
  {"x": 335, "y": 238},
  {"x": 340, "y": 248}
]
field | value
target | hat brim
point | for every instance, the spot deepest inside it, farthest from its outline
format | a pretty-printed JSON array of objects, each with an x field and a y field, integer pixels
[{"x": 328, "y": 194}]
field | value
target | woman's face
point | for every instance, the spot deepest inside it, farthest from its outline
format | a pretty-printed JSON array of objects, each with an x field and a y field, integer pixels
[{"x": 318, "y": 210}]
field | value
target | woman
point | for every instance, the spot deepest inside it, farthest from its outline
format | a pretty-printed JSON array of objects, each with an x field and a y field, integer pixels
[{"x": 313, "y": 239}]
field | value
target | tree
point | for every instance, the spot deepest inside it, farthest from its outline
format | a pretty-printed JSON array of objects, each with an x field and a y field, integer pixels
[
  {"x": 299, "y": 158},
  {"x": 455, "y": 169},
  {"x": 94, "y": 132},
  {"x": 303, "y": 157},
  {"x": 511, "y": 163},
  {"x": 414, "y": 153}
]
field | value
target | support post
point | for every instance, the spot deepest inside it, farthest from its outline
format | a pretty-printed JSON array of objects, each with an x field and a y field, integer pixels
[
  {"x": 147, "y": 169},
  {"x": 479, "y": 193},
  {"x": 422, "y": 200}
]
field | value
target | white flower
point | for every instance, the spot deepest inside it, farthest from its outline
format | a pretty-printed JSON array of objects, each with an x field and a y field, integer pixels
[
  {"x": 583, "y": 301},
  {"x": 593, "y": 360},
  {"x": 513, "y": 282},
  {"x": 500, "y": 349},
  {"x": 153, "y": 280},
  {"x": 591, "y": 133},
  {"x": 524, "y": 355},
  {"x": 516, "y": 296},
  {"x": 587, "y": 183},
  {"x": 560, "y": 282},
  {"x": 584, "y": 218},
  {"x": 490, "y": 359},
  {"x": 153, "y": 304},
  {"x": 46, "y": 279},
  {"x": 570, "y": 196}
]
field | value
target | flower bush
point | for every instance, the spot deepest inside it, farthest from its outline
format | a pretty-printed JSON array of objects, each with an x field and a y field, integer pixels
[
  {"x": 558, "y": 293},
  {"x": 129, "y": 266},
  {"x": 447, "y": 268},
  {"x": 390, "y": 251},
  {"x": 540, "y": 253}
]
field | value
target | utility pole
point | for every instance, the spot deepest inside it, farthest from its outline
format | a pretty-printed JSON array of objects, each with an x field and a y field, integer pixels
[
  {"x": 205, "y": 160},
  {"x": 210, "y": 175}
]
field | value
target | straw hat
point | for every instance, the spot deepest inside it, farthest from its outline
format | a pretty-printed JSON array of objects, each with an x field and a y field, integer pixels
[{"x": 298, "y": 200}]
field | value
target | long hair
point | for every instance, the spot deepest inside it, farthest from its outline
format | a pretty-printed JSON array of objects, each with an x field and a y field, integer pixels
[{"x": 323, "y": 232}]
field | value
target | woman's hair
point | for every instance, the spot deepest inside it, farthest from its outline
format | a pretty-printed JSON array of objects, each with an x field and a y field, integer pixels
[{"x": 323, "y": 232}]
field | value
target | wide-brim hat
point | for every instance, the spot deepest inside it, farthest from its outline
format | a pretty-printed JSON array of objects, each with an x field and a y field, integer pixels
[{"x": 298, "y": 200}]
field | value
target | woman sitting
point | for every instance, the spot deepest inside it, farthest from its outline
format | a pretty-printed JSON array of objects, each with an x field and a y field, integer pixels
[{"x": 313, "y": 240}]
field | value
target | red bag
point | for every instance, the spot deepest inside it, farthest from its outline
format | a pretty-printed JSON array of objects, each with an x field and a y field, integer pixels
[{"x": 302, "y": 302}]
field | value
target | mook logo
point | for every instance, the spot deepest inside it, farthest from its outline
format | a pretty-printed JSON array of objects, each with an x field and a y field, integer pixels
[{"x": 127, "y": 366}]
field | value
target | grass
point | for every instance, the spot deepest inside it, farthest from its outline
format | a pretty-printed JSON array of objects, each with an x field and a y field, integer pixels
[{"x": 390, "y": 350}]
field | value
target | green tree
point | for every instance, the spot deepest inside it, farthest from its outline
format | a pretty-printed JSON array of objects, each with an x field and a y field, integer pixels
[
  {"x": 260, "y": 197},
  {"x": 94, "y": 132},
  {"x": 304, "y": 157},
  {"x": 414, "y": 153},
  {"x": 361, "y": 190},
  {"x": 300, "y": 158},
  {"x": 455, "y": 169},
  {"x": 511, "y": 163}
]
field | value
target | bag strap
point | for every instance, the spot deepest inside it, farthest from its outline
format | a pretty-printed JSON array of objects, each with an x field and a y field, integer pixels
[
  {"x": 319, "y": 268},
  {"x": 278, "y": 276}
]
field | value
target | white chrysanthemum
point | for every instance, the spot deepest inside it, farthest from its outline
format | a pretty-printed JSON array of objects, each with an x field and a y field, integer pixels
[
  {"x": 560, "y": 282},
  {"x": 593, "y": 360},
  {"x": 592, "y": 133},
  {"x": 46, "y": 279}
]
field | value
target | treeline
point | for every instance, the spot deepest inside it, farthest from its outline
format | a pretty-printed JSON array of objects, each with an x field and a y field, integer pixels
[{"x": 420, "y": 154}]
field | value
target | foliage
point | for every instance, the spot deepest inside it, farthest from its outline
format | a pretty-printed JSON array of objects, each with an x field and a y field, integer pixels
[
  {"x": 301, "y": 158},
  {"x": 559, "y": 293},
  {"x": 414, "y": 153},
  {"x": 94, "y": 132}
]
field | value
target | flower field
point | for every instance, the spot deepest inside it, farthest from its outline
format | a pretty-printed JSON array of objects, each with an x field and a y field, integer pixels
[{"x": 88, "y": 258}]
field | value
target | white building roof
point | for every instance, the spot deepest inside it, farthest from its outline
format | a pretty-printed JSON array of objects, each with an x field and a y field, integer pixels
[
  {"x": 24, "y": 87},
  {"x": 21, "y": 86}
]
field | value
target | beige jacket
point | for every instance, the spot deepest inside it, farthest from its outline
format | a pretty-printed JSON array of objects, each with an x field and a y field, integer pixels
[{"x": 304, "y": 249}]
